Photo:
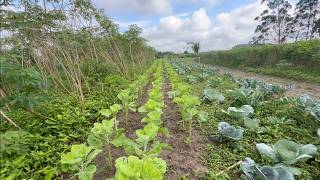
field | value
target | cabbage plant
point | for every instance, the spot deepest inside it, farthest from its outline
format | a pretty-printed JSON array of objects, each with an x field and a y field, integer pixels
[
  {"x": 253, "y": 171},
  {"x": 229, "y": 132},
  {"x": 134, "y": 168},
  {"x": 240, "y": 113},
  {"x": 287, "y": 152},
  {"x": 78, "y": 160},
  {"x": 309, "y": 105},
  {"x": 212, "y": 95},
  {"x": 247, "y": 95}
]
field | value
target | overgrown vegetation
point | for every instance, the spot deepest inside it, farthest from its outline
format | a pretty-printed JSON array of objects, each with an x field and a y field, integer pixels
[
  {"x": 235, "y": 129},
  {"x": 293, "y": 60}
]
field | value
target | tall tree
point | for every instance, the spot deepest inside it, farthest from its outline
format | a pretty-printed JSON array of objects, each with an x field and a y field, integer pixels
[
  {"x": 195, "y": 46},
  {"x": 274, "y": 22},
  {"x": 308, "y": 12}
]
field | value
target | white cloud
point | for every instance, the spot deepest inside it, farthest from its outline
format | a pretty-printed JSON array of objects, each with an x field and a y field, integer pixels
[
  {"x": 125, "y": 24},
  {"x": 161, "y": 7},
  {"x": 220, "y": 32}
]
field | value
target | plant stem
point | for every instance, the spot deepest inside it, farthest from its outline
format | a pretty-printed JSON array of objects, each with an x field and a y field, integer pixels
[
  {"x": 127, "y": 117},
  {"x": 109, "y": 157},
  {"x": 190, "y": 130}
]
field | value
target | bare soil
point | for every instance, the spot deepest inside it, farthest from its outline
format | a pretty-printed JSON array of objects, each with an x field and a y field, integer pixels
[
  {"x": 103, "y": 169},
  {"x": 296, "y": 88},
  {"x": 183, "y": 159}
]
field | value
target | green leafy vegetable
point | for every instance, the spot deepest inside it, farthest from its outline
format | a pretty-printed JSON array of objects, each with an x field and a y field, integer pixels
[
  {"x": 287, "y": 152},
  {"x": 135, "y": 168},
  {"x": 78, "y": 160}
]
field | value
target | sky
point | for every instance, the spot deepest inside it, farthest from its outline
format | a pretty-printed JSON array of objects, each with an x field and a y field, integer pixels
[{"x": 169, "y": 24}]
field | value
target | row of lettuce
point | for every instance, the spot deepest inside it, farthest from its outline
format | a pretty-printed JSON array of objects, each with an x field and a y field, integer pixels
[
  {"x": 141, "y": 160},
  {"x": 284, "y": 154}
]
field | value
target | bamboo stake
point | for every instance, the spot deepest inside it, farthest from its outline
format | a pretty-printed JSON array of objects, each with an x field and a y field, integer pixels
[{"x": 231, "y": 167}]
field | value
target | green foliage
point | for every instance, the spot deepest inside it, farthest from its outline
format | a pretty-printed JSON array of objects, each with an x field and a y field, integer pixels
[
  {"x": 306, "y": 104},
  {"x": 253, "y": 171},
  {"x": 278, "y": 118},
  {"x": 240, "y": 113},
  {"x": 212, "y": 95},
  {"x": 100, "y": 134},
  {"x": 78, "y": 160},
  {"x": 229, "y": 132},
  {"x": 21, "y": 87},
  {"x": 287, "y": 152},
  {"x": 135, "y": 168},
  {"x": 14, "y": 143},
  {"x": 304, "y": 57},
  {"x": 247, "y": 96}
]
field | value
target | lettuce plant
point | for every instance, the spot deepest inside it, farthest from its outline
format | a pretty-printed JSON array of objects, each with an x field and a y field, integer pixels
[
  {"x": 78, "y": 160},
  {"x": 140, "y": 146},
  {"x": 287, "y": 152},
  {"x": 101, "y": 134},
  {"x": 127, "y": 101},
  {"x": 112, "y": 112},
  {"x": 188, "y": 105},
  {"x": 153, "y": 117},
  {"x": 228, "y": 132},
  {"x": 212, "y": 95},
  {"x": 253, "y": 171},
  {"x": 135, "y": 168}
]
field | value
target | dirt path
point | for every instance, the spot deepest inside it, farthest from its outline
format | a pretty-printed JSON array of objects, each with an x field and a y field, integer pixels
[
  {"x": 182, "y": 159},
  {"x": 297, "y": 89}
]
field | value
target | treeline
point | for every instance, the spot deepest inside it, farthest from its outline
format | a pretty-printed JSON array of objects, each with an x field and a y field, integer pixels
[
  {"x": 72, "y": 44},
  {"x": 277, "y": 23}
]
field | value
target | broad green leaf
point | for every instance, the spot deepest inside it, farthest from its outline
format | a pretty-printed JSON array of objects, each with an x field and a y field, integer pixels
[
  {"x": 266, "y": 151},
  {"x": 87, "y": 173}
]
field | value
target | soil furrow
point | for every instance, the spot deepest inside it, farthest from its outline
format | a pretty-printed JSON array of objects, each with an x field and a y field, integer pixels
[{"x": 183, "y": 159}]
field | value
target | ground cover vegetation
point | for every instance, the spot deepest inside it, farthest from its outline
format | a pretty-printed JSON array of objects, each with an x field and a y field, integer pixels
[
  {"x": 273, "y": 138},
  {"x": 82, "y": 100}
]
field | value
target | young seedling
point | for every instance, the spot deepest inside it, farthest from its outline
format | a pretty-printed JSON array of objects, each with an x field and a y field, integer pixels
[
  {"x": 128, "y": 103},
  {"x": 78, "y": 160}
]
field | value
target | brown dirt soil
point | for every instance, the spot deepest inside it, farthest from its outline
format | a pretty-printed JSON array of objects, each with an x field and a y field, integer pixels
[
  {"x": 134, "y": 123},
  {"x": 182, "y": 159},
  {"x": 298, "y": 88}
]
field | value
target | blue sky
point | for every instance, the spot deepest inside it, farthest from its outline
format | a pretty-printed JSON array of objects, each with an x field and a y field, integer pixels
[{"x": 169, "y": 24}]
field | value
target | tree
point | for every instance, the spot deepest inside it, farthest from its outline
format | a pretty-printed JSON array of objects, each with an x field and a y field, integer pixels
[
  {"x": 195, "y": 46},
  {"x": 307, "y": 14},
  {"x": 274, "y": 22}
]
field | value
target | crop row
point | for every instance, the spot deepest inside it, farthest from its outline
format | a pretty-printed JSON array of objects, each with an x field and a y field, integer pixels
[
  {"x": 141, "y": 160},
  {"x": 284, "y": 154}
]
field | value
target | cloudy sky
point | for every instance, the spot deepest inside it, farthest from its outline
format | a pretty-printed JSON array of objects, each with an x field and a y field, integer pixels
[{"x": 169, "y": 24}]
